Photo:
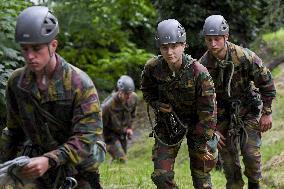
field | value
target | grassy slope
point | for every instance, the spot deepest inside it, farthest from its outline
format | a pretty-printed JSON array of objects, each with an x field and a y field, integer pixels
[{"x": 136, "y": 173}]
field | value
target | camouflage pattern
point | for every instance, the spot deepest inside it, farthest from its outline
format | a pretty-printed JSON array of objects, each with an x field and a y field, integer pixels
[
  {"x": 117, "y": 117},
  {"x": 191, "y": 94},
  {"x": 72, "y": 99},
  {"x": 248, "y": 68}
]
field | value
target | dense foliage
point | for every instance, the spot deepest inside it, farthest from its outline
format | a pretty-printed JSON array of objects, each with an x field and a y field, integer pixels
[
  {"x": 9, "y": 57},
  {"x": 246, "y": 18},
  {"x": 106, "y": 38}
]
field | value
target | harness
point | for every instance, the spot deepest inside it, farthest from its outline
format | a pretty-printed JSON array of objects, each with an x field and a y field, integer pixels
[
  {"x": 175, "y": 129},
  {"x": 69, "y": 183},
  {"x": 237, "y": 132},
  {"x": 168, "y": 129}
]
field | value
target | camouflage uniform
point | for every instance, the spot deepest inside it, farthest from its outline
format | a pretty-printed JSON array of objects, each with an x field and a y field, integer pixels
[
  {"x": 72, "y": 99},
  {"x": 247, "y": 68},
  {"x": 192, "y": 96},
  {"x": 117, "y": 117}
]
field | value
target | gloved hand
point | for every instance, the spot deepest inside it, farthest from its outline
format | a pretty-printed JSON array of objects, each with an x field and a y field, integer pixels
[
  {"x": 9, "y": 171},
  {"x": 213, "y": 142}
]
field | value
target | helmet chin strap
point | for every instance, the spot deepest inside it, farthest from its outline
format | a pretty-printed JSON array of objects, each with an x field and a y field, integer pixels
[
  {"x": 226, "y": 47},
  {"x": 44, "y": 77}
]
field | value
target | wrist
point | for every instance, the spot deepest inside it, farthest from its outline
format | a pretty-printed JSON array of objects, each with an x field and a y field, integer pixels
[{"x": 51, "y": 162}]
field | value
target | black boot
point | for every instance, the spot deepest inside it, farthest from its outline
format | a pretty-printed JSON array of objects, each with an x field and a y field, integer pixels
[{"x": 252, "y": 185}]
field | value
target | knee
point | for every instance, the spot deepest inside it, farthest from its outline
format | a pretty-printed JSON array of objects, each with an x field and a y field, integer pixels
[
  {"x": 252, "y": 159},
  {"x": 203, "y": 166}
]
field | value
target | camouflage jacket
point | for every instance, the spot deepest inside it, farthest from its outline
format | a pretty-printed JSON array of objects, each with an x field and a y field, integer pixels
[
  {"x": 190, "y": 92},
  {"x": 248, "y": 68},
  {"x": 118, "y": 116},
  {"x": 71, "y": 98}
]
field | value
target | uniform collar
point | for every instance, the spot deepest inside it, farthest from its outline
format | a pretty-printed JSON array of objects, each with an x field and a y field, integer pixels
[
  {"x": 56, "y": 85},
  {"x": 212, "y": 62}
]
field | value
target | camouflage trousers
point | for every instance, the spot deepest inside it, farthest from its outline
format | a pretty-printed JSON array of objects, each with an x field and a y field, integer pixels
[
  {"x": 117, "y": 148},
  {"x": 164, "y": 159},
  {"x": 251, "y": 156}
]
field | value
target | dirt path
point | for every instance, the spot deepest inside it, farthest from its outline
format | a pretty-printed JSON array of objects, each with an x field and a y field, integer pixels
[{"x": 141, "y": 124}]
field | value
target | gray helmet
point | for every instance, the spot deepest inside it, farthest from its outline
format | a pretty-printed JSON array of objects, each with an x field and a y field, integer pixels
[
  {"x": 36, "y": 25},
  {"x": 215, "y": 25},
  {"x": 170, "y": 31},
  {"x": 125, "y": 83}
]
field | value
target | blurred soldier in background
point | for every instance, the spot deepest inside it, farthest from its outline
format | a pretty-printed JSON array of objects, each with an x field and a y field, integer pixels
[{"x": 118, "y": 113}]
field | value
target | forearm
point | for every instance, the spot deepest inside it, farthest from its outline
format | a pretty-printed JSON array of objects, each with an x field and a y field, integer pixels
[
  {"x": 149, "y": 88},
  {"x": 86, "y": 129},
  {"x": 263, "y": 80},
  {"x": 206, "y": 110},
  {"x": 78, "y": 147}
]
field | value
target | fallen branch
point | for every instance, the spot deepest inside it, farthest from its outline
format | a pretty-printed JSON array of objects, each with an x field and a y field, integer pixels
[{"x": 276, "y": 62}]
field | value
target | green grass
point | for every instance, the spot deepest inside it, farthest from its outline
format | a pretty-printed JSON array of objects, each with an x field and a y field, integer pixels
[
  {"x": 276, "y": 71},
  {"x": 270, "y": 46},
  {"x": 278, "y": 35}
]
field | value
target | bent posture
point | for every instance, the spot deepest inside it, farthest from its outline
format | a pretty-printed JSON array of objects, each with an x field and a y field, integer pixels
[
  {"x": 118, "y": 113},
  {"x": 53, "y": 110}
]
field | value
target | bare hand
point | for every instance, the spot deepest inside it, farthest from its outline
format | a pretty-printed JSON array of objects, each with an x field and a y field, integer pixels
[
  {"x": 206, "y": 156},
  {"x": 265, "y": 122},
  {"x": 165, "y": 108},
  {"x": 36, "y": 168},
  {"x": 221, "y": 142},
  {"x": 129, "y": 133}
]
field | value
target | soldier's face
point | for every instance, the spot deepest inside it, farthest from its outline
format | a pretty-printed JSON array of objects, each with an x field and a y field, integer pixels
[
  {"x": 172, "y": 52},
  {"x": 216, "y": 44},
  {"x": 37, "y": 56},
  {"x": 124, "y": 95}
]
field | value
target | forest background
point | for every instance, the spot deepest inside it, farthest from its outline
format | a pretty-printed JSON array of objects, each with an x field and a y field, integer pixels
[{"x": 108, "y": 38}]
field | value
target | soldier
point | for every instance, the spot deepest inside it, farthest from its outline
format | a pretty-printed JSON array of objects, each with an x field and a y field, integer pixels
[
  {"x": 182, "y": 94},
  {"x": 53, "y": 110},
  {"x": 245, "y": 90},
  {"x": 118, "y": 113}
]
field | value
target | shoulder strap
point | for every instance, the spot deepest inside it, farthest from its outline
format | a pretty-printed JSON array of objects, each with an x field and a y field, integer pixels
[{"x": 46, "y": 114}]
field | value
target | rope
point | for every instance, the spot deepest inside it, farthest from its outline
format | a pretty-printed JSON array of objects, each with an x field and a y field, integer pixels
[
  {"x": 237, "y": 132},
  {"x": 228, "y": 87}
]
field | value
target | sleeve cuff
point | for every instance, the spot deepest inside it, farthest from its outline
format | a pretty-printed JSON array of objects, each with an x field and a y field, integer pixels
[
  {"x": 266, "y": 111},
  {"x": 51, "y": 162}
]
